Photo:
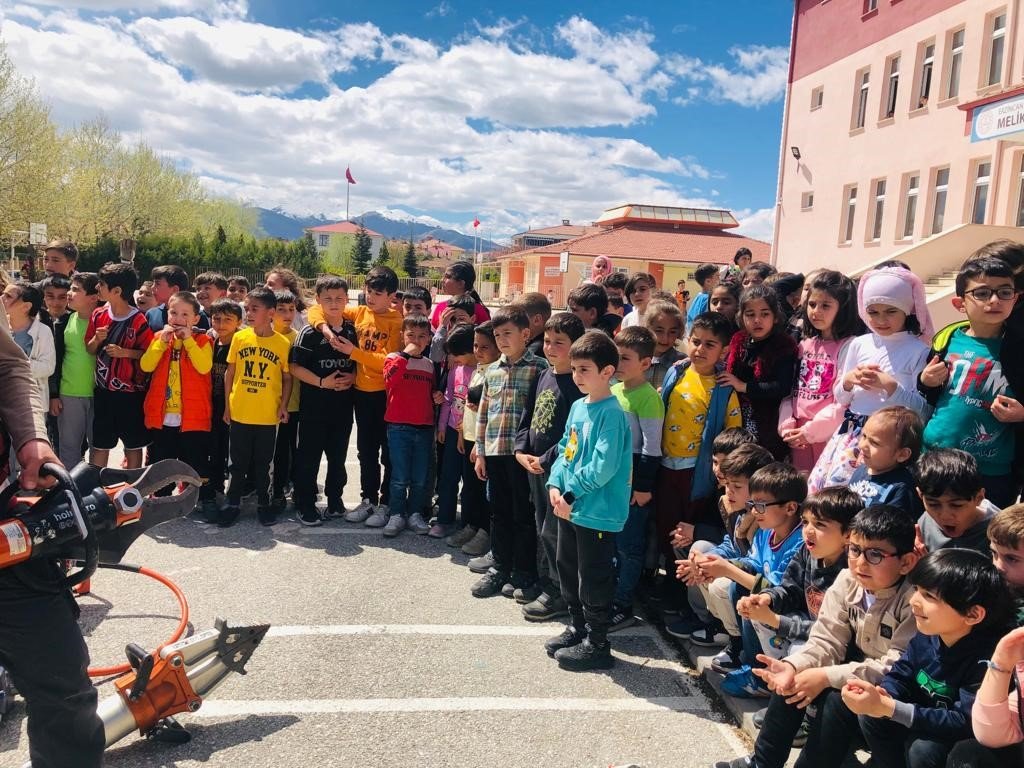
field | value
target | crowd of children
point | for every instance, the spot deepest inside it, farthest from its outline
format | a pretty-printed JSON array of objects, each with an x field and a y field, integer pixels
[{"x": 827, "y": 485}]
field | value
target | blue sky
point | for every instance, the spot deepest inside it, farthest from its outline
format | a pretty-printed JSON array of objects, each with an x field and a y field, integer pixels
[{"x": 521, "y": 115}]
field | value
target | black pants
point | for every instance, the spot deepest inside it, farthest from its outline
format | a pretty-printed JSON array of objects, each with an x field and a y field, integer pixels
[
  {"x": 781, "y": 723},
  {"x": 217, "y": 451},
  {"x": 833, "y": 735},
  {"x": 252, "y": 453},
  {"x": 893, "y": 746},
  {"x": 42, "y": 647},
  {"x": 547, "y": 535},
  {"x": 321, "y": 432},
  {"x": 474, "y": 510},
  {"x": 513, "y": 530},
  {"x": 284, "y": 453},
  {"x": 172, "y": 443},
  {"x": 372, "y": 445},
  {"x": 586, "y": 574},
  {"x": 971, "y": 754}
]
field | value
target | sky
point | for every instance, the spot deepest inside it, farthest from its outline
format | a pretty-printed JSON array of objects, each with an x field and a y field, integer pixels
[{"x": 445, "y": 111}]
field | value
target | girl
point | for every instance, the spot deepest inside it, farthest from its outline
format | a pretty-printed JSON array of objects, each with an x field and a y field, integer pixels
[
  {"x": 761, "y": 366},
  {"x": 879, "y": 368},
  {"x": 179, "y": 401},
  {"x": 725, "y": 298},
  {"x": 23, "y": 302},
  {"x": 638, "y": 293},
  {"x": 458, "y": 280},
  {"x": 811, "y": 415},
  {"x": 280, "y": 278},
  {"x": 998, "y": 716},
  {"x": 665, "y": 320},
  {"x": 462, "y": 365}
]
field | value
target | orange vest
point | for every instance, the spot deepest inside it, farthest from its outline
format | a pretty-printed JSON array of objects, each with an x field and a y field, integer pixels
[{"x": 196, "y": 392}]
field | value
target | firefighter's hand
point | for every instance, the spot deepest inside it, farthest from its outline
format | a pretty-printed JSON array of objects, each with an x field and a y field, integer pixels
[{"x": 31, "y": 456}]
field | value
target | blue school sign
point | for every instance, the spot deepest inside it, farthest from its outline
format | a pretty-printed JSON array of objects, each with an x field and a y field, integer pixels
[{"x": 999, "y": 120}]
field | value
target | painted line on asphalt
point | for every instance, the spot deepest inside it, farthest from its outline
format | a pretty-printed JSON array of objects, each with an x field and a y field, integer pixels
[
  {"x": 481, "y": 630},
  {"x": 236, "y": 708}
]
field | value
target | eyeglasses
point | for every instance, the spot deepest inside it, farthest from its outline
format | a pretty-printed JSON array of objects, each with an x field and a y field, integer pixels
[
  {"x": 872, "y": 554},
  {"x": 761, "y": 506},
  {"x": 984, "y": 293}
]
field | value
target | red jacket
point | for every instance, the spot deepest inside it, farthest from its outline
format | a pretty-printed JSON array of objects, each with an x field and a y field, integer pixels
[{"x": 196, "y": 392}]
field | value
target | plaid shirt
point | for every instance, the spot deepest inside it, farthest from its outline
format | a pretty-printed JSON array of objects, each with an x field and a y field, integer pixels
[{"x": 506, "y": 389}]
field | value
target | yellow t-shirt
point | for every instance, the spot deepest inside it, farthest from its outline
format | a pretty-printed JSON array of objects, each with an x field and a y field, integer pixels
[
  {"x": 687, "y": 412},
  {"x": 260, "y": 364},
  {"x": 378, "y": 335}
]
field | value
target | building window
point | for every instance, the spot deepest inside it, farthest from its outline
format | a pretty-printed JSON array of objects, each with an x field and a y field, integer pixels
[
  {"x": 850, "y": 209},
  {"x": 870, "y": 5},
  {"x": 817, "y": 97},
  {"x": 1020, "y": 193},
  {"x": 324, "y": 240},
  {"x": 876, "y": 217},
  {"x": 910, "y": 208},
  {"x": 979, "y": 201},
  {"x": 939, "y": 207},
  {"x": 956, "y": 60},
  {"x": 806, "y": 201},
  {"x": 893, "y": 86},
  {"x": 997, "y": 43},
  {"x": 927, "y": 67},
  {"x": 860, "y": 107}
]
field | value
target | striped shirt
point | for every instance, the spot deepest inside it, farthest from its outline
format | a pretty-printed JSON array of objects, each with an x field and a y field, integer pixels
[{"x": 506, "y": 390}]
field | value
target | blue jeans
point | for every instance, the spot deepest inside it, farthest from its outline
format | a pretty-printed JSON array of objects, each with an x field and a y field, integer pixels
[
  {"x": 409, "y": 448},
  {"x": 630, "y": 551}
]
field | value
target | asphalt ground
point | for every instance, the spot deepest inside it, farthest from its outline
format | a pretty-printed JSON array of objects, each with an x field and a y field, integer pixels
[{"x": 379, "y": 656}]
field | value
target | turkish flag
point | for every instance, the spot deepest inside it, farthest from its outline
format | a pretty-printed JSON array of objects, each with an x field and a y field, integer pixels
[
  {"x": 348, "y": 176},
  {"x": 476, "y": 223}
]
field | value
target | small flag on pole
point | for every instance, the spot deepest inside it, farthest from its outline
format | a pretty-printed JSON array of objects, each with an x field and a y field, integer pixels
[
  {"x": 348, "y": 176},
  {"x": 476, "y": 223}
]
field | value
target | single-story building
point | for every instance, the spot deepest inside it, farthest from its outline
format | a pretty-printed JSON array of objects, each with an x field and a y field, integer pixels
[{"x": 342, "y": 235}]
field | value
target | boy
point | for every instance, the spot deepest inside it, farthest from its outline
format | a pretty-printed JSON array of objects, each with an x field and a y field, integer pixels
[
  {"x": 1006, "y": 545},
  {"x": 506, "y": 387},
  {"x": 923, "y": 706},
  {"x": 707, "y": 277},
  {"x": 378, "y": 334},
  {"x": 325, "y": 406},
  {"x": 225, "y": 319},
  {"x": 238, "y": 288},
  {"x": 756, "y": 273},
  {"x": 167, "y": 279},
  {"x": 210, "y": 286},
  {"x": 665, "y": 321},
  {"x": 118, "y": 335},
  {"x": 638, "y": 293},
  {"x": 589, "y": 303},
  {"x": 71, "y": 386},
  {"x": 973, "y": 393},
  {"x": 257, "y": 386},
  {"x": 538, "y": 309},
  {"x": 144, "y": 297},
  {"x": 55, "y": 297},
  {"x": 416, "y": 301},
  {"x": 60, "y": 258},
  {"x": 864, "y": 624},
  {"x": 615, "y": 286},
  {"x": 543, "y": 423},
  {"x": 409, "y": 379},
  {"x": 645, "y": 413},
  {"x": 589, "y": 489},
  {"x": 956, "y": 512},
  {"x": 889, "y": 443},
  {"x": 287, "y": 431}
]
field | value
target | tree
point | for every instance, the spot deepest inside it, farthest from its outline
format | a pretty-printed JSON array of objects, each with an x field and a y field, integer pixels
[
  {"x": 409, "y": 263},
  {"x": 362, "y": 251},
  {"x": 383, "y": 256}
]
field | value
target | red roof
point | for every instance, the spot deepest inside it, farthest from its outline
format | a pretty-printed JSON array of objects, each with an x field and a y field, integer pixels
[
  {"x": 343, "y": 228},
  {"x": 643, "y": 242}
]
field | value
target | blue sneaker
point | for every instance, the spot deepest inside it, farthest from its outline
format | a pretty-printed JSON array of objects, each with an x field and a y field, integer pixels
[{"x": 742, "y": 683}]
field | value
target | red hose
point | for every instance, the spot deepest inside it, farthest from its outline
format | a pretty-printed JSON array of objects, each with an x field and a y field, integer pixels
[{"x": 120, "y": 669}]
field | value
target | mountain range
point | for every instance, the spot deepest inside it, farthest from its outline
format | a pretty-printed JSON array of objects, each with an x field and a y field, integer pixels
[{"x": 278, "y": 223}]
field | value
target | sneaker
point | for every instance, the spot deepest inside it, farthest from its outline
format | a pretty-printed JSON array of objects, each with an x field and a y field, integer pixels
[
  {"x": 335, "y": 509},
  {"x": 417, "y": 524},
  {"x": 395, "y": 525},
  {"x": 739, "y": 762},
  {"x": 744, "y": 684},
  {"x": 524, "y": 595},
  {"x": 460, "y": 537},
  {"x": 490, "y": 584},
  {"x": 707, "y": 637},
  {"x": 378, "y": 519},
  {"x": 684, "y": 628},
  {"x": 439, "y": 531},
  {"x": 570, "y": 636},
  {"x": 480, "y": 544},
  {"x": 360, "y": 513},
  {"x": 228, "y": 515},
  {"x": 482, "y": 564},
  {"x": 545, "y": 608},
  {"x": 758, "y": 717},
  {"x": 586, "y": 656},
  {"x": 278, "y": 503},
  {"x": 727, "y": 661},
  {"x": 621, "y": 618},
  {"x": 266, "y": 514},
  {"x": 309, "y": 516},
  {"x": 508, "y": 590}
]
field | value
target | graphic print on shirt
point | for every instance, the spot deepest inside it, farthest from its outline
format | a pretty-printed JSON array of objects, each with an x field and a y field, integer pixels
[
  {"x": 573, "y": 444},
  {"x": 977, "y": 380},
  {"x": 256, "y": 364},
  {"x": 940, "y": 692},
  {"x": 816, "y": 378},
  {"x": 544, "y": 412},
  {"x": 172, "y": 392},
  {"x": 814, "y": 597}
]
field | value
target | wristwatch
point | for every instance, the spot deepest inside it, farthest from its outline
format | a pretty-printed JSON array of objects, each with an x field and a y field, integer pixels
[{"x": 569, "y": 498}]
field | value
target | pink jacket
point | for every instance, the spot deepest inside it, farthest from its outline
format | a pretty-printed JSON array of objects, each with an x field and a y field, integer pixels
[
  {"x": 999, "y": 725},
  {"x": 813, "y": 405}
]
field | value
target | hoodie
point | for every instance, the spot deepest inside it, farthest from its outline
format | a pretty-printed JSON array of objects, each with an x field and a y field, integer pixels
[{"x": 975, "y": 537}]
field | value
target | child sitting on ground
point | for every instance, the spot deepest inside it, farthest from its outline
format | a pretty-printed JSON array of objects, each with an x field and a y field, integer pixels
[
  {"x": 889, "y": 445},
  {"x": 956, "y": 512}
]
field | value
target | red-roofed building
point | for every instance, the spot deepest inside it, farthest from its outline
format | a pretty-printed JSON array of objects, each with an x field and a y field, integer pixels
[
  {"x": 668, "y": 242},
  {"x": 340, "y": 237}
]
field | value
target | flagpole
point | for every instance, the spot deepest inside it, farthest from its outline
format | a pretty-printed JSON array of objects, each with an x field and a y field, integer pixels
[{"x": 348, "y": 189}]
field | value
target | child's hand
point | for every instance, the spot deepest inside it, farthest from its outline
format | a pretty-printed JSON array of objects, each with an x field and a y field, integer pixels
[
  {"x": 684, "y": 570},
  {"x": 184, "y": 332},
  {"x": 167, "y": 334},
  {"x": 535, "y": 466},
  {"x": 1010, "y": 649},
  {"x": 863, "y": 698},
  {"x": 713, "y": 567},
  {"x": 641, "y": 498},
  {"x": 438, "y": 399},
  {"x": 524, "y": 461},
  {"x": 56, "y": 406},
  {"x": 480, "y": 467},
  {"x": 794, "y": 438},
  {"x": 101, "y": 333},
  {"x": 1007, "y": 409},
  {"x": 807, "y": 686},
  {"x": 227, "y": 415},
  {"x": 117, "y": 351},
  {"x": 282, "y": 413},
  {"x": 682, "y": 536},
  {"x": 727, "y": 379},
  {"x": 755, "y": 608},
  {"x": 874, "y": 378},
  {"x": 473, "y": 454},
  {"x": 778, "y": 675},
  {"x": 562, "y": 509},
  {"x": 341, "y": 344},
  {"x": 474, "y": 407},
  {"x": 851, "y": 379},
  {"x": 935, "y": 372},
  {"x": 554, "y": 496},
  {"x": 441, "y": 434},
  {"x": 461, "y": 444}
]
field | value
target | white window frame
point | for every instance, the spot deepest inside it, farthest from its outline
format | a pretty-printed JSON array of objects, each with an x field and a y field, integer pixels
[
  {"x": 927, "y": 74},
  {"x": 911, "y": 199},
  {"x": 938, "y": 222},
  {"x": 849, "y": 213},
  {"x": 817, "y": 97},
  {"x": 956, "y": 63},
  {"x": 980, "y": 190},
  {"x": 878, "y": 187},
  {"x": 324, "y": 240},
  {"x": 996, "y": 58},
  {"x": 892, "y": 87},
  {"x": 860, "y": 101}
]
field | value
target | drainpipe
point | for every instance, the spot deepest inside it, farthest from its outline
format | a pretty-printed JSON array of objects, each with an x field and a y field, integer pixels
[{"x": 785, "y": 135}]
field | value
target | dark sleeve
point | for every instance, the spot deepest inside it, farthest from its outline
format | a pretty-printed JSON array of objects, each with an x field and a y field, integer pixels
[
  {"x": 522, "y": 444},
  {"x": 300, "y": 352},
  {"x": 58, "y": 346},
  {"x": 645, "y": 469},
  {"x": 901, "y": 496},
  {"x": 931, "y": 394},
  {"x": 780, "y": 386},
  {"x": 899, "y": 681}
]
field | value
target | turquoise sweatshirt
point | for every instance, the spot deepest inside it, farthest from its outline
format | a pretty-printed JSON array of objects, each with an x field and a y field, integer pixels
[{"x": 595, "y": 463}]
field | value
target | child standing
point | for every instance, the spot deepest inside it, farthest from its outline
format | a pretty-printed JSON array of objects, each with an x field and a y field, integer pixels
[
  {"x": 589, "y": 491},
  {"x": 257, "y": 386},
  {"x": 880, "y": 367},
  {"x": 71, "y": 385},
  {"x": 761, "y": 366},
  {"x": 458, "y": 280},
  {"x": 956, "y": 512},
  {"x": 507, "y": 385},
  {"x": 665, "y": 320},
  {"x": 118, "y": 335},
  {"x": 645, "y": 413},
  {"x": 210, "y": 287},
  {"x": 288, "y": 431},
  {"x": 811, "y": 415},
  {"x": 238, "y": 288},
  {"x": 325, "y": 407},
  {"x": 179, "y": 403},
  {"x": 890, "y": 443},
  {"x": 22, "y": 302},
  {"x": 707, "y": 277},
  {"x": 638, "y": 293},
  {"x": 725, "y": 299}
]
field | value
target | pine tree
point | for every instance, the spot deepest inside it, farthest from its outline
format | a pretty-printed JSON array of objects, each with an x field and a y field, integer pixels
[
  {"x": 383, "y": 257},
  {"x": 409, "y": 263},
  {"x": 362, "y": 251}
]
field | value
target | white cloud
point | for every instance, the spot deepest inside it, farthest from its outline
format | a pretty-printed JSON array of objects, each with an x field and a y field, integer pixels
[
  {"x": 401, "y": 48},
  {"x": 443, "y": 8},
  {"x": 757, "y": 77},
  {"x": 500, "y": 28},
  {"x": 759, "y": 224},
  {"x": 628, "y": 56},
  {"x": 211, "y": 7}
]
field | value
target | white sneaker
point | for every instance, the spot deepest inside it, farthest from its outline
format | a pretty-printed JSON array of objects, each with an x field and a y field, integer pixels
[
  {"x": 396, "y": 524},
  {"x": 378, "y": 519},
  {"x": 417, "y": 524},
  {"x": 360, "y": 513}
]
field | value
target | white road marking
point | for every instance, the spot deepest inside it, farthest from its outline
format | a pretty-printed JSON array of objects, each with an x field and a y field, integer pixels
[
  {"x": 666, "y": 704},
  {"x": 483, "y": 630}
]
